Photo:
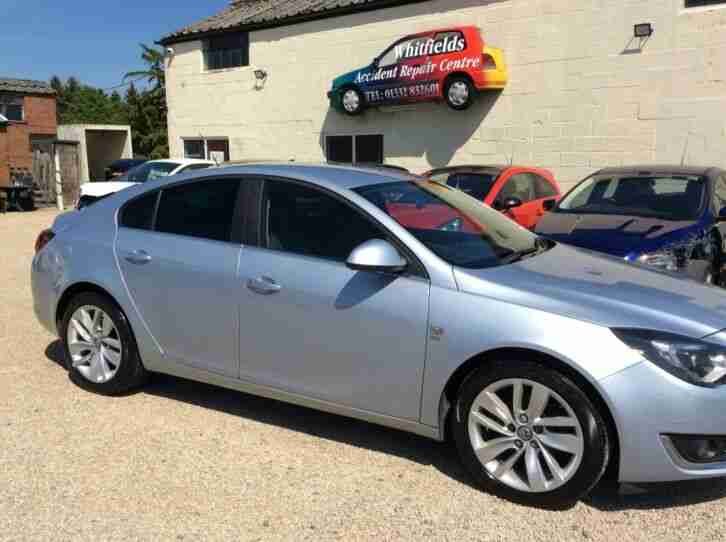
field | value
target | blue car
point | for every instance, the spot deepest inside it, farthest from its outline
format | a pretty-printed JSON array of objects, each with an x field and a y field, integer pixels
[{"x": 668, "y": 217}]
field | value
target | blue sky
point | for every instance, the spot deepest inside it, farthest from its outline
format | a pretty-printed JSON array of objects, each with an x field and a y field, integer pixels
[{"x": 95, "y": 40}]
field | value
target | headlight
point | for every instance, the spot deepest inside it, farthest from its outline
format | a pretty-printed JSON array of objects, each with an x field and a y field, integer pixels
[
  {"x": 666, "y": 260},
  {"x": 452, "y": 225},
  {"x": 692, "y": 360}
]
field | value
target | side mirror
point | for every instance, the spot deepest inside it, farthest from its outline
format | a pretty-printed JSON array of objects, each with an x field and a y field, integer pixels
[
  {"x": 376, "y": 62},
  {"x": 507, "y": 204},
  {"x": 376, "y": 255},
  {"x": 549, "y": 204}
]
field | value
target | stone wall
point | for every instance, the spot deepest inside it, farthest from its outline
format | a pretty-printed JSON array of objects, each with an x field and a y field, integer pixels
[{"x": 582, "y": 94}]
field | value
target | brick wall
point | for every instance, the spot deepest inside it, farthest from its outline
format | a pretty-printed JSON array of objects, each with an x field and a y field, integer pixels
[
  {"x": 4, "y": 157},
  {"x": 40, "y": 120}
]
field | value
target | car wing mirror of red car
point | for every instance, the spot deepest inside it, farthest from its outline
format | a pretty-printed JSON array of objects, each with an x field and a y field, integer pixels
[
  {"x": 507, "y": 204},
  {"x": 549, "y": 204}
]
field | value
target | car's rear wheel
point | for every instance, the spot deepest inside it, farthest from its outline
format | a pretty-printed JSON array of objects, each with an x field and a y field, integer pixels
[
  {"x": 459, "y": 93},
  {"x": 529, "y": 434},
  {"x": 101, "y": 352},
  {"x": 352, "y": 101}
]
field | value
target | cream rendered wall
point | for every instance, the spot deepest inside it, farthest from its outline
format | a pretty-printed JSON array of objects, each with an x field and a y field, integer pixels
[{"x": 581, "y": 95}]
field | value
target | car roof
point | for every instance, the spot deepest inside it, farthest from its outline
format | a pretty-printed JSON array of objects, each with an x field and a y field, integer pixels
[
  {"x": 333, "y": 176},
  {"x": 659, "y": 169},
  {"x": 486, "y": 168},
  {"x": 181, "y": 161}
]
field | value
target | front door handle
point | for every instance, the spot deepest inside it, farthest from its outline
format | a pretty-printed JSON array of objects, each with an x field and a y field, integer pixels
[
  {"x": 263, "y": 286},
  {"x": 138, "y": 257}
]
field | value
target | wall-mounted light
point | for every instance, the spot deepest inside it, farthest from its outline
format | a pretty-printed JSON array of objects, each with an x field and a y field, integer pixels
[
  {"x": 260, "y": 75},
  {"x": 643, "y": 30}
]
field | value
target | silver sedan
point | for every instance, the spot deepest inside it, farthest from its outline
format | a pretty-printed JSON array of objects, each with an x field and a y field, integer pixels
[{"x": 392, "y": 299}]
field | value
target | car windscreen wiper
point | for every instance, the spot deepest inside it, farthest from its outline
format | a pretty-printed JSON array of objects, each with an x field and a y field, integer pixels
[{"x": 540, "y": 246}]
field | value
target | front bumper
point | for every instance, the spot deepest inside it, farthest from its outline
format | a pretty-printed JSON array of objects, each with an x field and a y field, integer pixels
[{"x": 648, "y": 404}]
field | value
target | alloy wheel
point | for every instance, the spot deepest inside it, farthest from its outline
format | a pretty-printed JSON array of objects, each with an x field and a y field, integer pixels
[
  {"x": 351, "y": 101},
  {"x": 94, "y": 344},
  {"x": 525, "y": 435},
  {"x": 458, "y": 93}
]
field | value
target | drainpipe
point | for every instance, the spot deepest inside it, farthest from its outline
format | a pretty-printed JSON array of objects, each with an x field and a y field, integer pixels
[{"x": 58, "y": 179}]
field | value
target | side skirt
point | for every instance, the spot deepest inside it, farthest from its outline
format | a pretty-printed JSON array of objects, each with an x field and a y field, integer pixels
[{"x": 199, "y": 375}]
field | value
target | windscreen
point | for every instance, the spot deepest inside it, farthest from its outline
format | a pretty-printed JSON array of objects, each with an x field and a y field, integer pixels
[{"x": 670, "y": 197}]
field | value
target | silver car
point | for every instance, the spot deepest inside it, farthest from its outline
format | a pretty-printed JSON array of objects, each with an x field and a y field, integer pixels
[{"x": 400, "y": 301}]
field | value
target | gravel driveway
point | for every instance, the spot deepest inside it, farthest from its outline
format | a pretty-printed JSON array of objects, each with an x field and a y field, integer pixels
[{"x": 184, "y": 461}]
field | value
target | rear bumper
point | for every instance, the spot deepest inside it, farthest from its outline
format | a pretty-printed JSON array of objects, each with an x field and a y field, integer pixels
[
  {"x": 45, "y": 298},
  {"x": 648, "y": 404}
]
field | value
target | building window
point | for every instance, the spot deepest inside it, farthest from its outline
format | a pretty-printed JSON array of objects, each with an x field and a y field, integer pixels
[
  {"x": 11, "y": 107},
  {"x": 216, "y": 149},
  {"x": 699, "y": 3},
  {"x": 227, "y": 51},
  {"x": 354, "y": 149}
]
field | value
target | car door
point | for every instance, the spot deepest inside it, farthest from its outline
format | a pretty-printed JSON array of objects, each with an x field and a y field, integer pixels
[
  {"x": 520, "y": 186},
  {"x": 178, "y": 257},
  {"x": 545, "y": 191},
  {"x": 312, "y": 326},
  {"x": 719, "y": 204}
]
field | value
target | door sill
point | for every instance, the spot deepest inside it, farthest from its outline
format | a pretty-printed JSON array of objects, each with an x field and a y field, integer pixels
[{"x": 199, "y": 375}]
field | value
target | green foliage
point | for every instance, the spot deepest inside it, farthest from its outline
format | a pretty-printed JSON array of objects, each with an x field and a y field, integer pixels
[{"x": 144, "y": 111}]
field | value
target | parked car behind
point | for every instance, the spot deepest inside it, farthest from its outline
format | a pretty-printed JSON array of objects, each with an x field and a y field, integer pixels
[
  {"x": 667, "y": 217},
  {"x": 147, "y": 171},
  {"x": 524, "y": 194},
  {"x": 304, "y": 284},
  {"x": 119, "y": 168}
]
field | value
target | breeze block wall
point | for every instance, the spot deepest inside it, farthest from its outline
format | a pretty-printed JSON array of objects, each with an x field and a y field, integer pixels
[{"x": 583, "y": 93}]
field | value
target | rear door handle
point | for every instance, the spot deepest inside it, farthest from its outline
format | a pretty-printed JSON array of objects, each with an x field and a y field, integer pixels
[
  {"x": 263, "y": 286},
  {"x": 138, "y": 257}
]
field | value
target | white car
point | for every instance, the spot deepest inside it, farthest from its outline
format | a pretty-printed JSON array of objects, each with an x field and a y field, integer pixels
[{"x": 148, "y": 171}]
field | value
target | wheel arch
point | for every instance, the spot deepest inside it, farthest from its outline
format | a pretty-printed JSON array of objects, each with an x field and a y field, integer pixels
[
  {"x": 466, "y": 369},
  {"x": 81, "y": 287},
  {"x": 457, "y": 74}
]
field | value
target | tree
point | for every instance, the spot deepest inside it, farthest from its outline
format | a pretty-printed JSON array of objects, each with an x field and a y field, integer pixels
[
  {"x": 147, "y": 110},
  {"x": 83, "y": 104}
]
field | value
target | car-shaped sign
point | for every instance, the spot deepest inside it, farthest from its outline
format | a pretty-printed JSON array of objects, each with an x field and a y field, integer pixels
[{"x": 450, "y": 64}]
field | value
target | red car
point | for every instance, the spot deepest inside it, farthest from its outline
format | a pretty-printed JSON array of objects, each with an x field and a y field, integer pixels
[{"x": 522, "y": 193}]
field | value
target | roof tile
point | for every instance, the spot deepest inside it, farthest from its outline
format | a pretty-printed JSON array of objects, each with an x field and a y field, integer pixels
[
  {"x": 241, "y": 13},
  {"x": 25, "y": 86}
]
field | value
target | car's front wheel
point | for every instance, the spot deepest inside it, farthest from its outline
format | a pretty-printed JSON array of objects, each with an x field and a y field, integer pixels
[
  {"x": 529, "y": 434},
  {"x": 101, "y": 352},
  {"x": 352, "y": 101}
]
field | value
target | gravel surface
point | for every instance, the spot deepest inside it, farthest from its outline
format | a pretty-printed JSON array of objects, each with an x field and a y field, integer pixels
[{"x": 185, "y": 461}]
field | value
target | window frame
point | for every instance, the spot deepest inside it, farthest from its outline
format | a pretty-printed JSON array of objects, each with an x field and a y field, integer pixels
[
  {"x": 12, "y": 99},
  {"x": 257, "y": 223},
  {"x": 244, "y": 48},
  {"x": 354, "y": 137},
  {"x": 205, "y": 142},
  {"x": 499, "y": 197},
  {"x": 238, "y": 232}
]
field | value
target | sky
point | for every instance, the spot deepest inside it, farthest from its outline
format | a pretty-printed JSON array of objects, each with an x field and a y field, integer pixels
[{"x": 96, "y": 41}]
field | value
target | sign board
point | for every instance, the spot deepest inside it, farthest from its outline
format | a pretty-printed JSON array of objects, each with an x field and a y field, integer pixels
[{"x": 450, "y": 64}]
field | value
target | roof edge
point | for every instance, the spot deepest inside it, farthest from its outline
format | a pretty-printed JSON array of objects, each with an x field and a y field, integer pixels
[{"x": 288, "y": 21}]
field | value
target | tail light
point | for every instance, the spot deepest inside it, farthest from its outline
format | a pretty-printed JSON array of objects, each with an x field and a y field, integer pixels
[
  {"x": 488, "y": 62},
  {"x": 43, "y": 239}
]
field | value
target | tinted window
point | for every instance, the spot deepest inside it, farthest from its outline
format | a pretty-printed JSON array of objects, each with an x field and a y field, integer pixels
[
  {"x": 305, "y": 221},
  {"x": 150, "y": 171},
  {"x": 676, "y": 197},
  {"x": 518, "y": 186},
  {"x": 477, "y": 185},
  {"x": 202, "y": 209},
  {"x": 139, "y": 213},
  {"x": 455, "y": 227},
  {"x": 542, "y": 187}
]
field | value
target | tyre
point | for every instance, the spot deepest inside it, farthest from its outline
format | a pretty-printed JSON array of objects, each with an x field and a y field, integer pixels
[
  {"x": 100, "y": 350},
  {"x": 352, "y": 101},
  {"x": 459, "y": 93},
  {"x": 527, "y": 433}
]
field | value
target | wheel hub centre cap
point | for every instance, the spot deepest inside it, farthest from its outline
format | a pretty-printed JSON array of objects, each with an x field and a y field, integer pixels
[{"x": 525, "y": 433}]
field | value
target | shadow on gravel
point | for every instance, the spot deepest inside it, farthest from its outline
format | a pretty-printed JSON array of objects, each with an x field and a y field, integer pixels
[
  {"x": 606, "y": 497},
  {"x": 656, "y": 496}
]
